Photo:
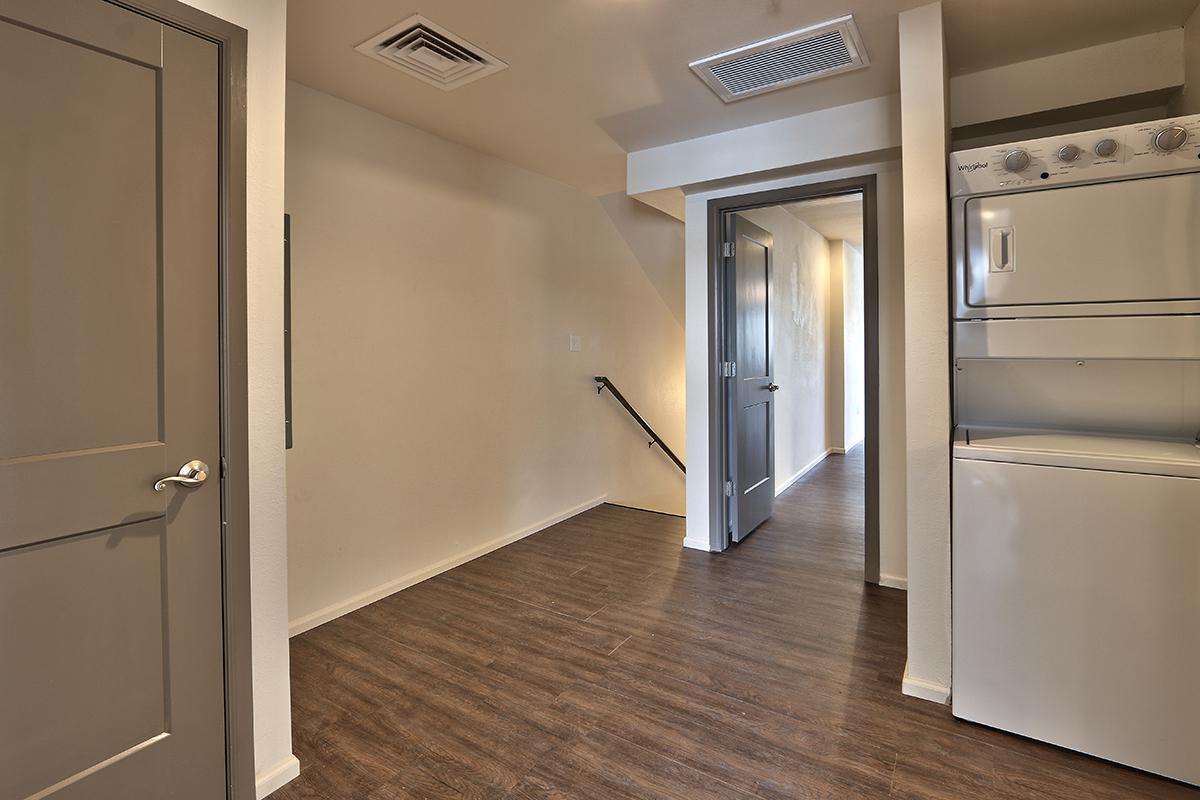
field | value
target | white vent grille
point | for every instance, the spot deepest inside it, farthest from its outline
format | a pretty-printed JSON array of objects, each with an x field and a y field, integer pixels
[
  {"x": 797, "y": 57},
  {"x": 431, "y": 53}
]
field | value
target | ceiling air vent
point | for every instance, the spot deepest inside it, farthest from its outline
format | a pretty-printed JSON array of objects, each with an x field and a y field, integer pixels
[
  {"x": 431, "y": 53},
  {"x": 817, "y": 51}
]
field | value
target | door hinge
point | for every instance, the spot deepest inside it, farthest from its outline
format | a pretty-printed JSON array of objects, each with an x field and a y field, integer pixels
[
  {"x": 729, "y": 369},
  {"x": 729, "y": 488},
  {"x": 224, "y": 467},
  {"x": 727, "y": 249}
]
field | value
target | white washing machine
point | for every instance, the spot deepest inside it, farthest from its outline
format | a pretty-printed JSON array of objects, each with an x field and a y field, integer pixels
[
  {"x": 1076, "y": 563},
  {"x": 1076, "y": 468}
]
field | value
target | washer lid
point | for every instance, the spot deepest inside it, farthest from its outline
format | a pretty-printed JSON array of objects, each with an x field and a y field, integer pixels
[{"x": 1079, "y": 450}]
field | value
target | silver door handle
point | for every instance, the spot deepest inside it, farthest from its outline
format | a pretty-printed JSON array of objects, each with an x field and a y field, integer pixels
[
  {"x": 193, "y": 473},
  {"x": 773, "y": 387}
]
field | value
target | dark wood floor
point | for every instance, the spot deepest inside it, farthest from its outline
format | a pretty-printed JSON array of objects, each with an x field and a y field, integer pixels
[{"x": 598, "y": 659}]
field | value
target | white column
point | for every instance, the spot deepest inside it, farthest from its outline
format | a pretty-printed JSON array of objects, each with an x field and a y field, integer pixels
[{"x": 924, "y": 141}]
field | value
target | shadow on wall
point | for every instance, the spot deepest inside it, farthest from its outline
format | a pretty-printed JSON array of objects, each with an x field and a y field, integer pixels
[{"x": 656, "y": 241}]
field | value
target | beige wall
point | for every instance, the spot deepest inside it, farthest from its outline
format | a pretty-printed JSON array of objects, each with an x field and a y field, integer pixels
[
  {"x": 852, "y": 334},
  {"x": 924, "y": 123},
  {"x": 1127, "y": 67},
  {"x": 835, "y": 393},
  {"x": 438, "y": 410},
  {"x": 1188, "y": 101},
  {"x": 799, "y": 338},
  {"x": 846, "y": 393},
  {"x": 656, "y": 240},
  {"x": 806, "y": 141}
]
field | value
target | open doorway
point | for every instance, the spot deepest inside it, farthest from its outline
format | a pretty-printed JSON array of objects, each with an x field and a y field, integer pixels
[{"x": 796, "y": 384}]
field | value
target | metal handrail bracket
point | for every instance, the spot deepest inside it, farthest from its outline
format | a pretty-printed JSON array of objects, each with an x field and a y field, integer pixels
[{"x": 604, "y": 383}]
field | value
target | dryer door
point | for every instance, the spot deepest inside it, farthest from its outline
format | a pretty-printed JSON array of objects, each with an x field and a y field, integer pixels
[{"x": 1134, "y": 241}]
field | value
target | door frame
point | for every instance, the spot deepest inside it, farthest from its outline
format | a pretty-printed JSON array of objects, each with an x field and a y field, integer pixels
[
  {"x": 234, "y": 391},
  {"x": 718, "y": 387}
]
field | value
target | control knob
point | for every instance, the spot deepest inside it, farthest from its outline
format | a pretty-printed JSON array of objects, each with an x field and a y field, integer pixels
[
  {"x": 1170, "y": 138},
  {"x": 1068, "y": 152},
  {"x": 1016, "y": 160},
  {"x": 1106, "y": 148}
]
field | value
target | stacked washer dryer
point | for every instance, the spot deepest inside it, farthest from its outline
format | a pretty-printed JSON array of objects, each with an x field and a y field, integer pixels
[{"x": 1076, "y": 463}]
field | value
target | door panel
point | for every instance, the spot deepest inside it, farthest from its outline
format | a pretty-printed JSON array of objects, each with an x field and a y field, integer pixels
[
  {"x": 105, "y": 594},
  {"x": 755, "y": 425},
  {"x": 752, "y": 420},
  {"x": 752, "y": 288},
  {"x": 1110, "y": 242},
  {"x": 95, "y": 25},
  {"x": 108, "y": 487},
  {"x": 110, "y": 592},
  {"x": 79, "y": 233}
]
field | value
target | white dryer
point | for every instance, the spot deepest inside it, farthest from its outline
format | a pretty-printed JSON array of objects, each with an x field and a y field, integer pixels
[{"x": 1038, "y": 235}]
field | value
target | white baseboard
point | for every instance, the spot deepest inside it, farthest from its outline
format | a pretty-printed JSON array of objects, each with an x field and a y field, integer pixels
[
  {"x": 697, "y": 544},
  {"x": 915, "y": 687},
  {"x": 356, "y": 602},
  {"x": 837, "y": 451},
  {"x": 894, "y": 582},
  {"x": 780, "y": 488},
  {"x": 275, "y": 777}
]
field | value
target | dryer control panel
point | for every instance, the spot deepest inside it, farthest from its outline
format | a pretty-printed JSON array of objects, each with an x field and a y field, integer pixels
[{"x": 1150, "y": 148}]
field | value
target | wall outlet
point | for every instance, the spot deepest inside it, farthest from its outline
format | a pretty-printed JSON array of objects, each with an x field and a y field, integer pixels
[{"x": 576, "y": 344}]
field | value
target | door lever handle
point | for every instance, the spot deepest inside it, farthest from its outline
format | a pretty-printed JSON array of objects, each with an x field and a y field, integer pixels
[
  {"x": 772, "y": 387},
  {"x": 193, "y": 473}
]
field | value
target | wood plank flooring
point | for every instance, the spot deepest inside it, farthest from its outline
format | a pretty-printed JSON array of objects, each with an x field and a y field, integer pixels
[{"x": 583, "y": 662}]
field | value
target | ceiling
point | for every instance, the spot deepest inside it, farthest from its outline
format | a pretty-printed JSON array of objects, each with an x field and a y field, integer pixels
[
  {"x": 590, "y": 80},
  {"x": 838, "y": 217}
]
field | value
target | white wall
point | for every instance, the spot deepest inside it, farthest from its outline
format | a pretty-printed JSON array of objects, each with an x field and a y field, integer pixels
[
  {"x": 438, "y": 411},
  {"x": 926, "y": 274},
  {"x": 265, "y": 20},
  {"x": 1115, "y": 69},
  {"x": 1188, "y": 101},
  {"x": 891, "y": 343},
  {"x": 846, "y": 393},
  {"x": 856, "y": 129},
  {"x": 799, "y": 340},
  {"x": 656, "y": 240},
  {"x": 854, "y": 392},
  {"x": 835, "y": 394}
]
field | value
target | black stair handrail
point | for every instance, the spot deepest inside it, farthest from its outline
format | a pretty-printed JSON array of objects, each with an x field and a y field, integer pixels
[{"x": 605, "y": 383}]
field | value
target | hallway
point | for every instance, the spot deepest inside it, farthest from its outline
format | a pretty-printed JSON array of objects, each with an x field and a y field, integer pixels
[{"x": 582, "y": 662}]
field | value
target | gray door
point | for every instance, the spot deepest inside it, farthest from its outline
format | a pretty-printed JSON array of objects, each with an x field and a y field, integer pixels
[
  {"x": 752, "y": 412},
  {"x": 111, "y": 680}
]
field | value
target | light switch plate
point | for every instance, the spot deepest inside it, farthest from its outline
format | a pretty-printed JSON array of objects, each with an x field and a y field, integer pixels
[{"x": 576, "y": 344}]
